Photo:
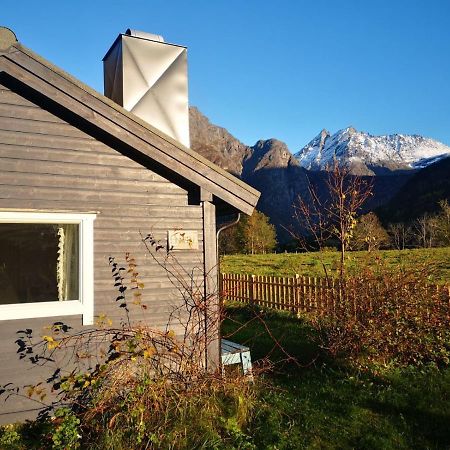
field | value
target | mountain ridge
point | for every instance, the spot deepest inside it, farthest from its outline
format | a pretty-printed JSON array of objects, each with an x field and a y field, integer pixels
[
  {"x": 216, "y": 143},
  {"x": 419, "y": 195},
  {"x": 270, "y": 167}
]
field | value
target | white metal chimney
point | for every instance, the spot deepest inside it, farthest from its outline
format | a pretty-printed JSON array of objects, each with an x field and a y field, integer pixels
[{"x": 148, "y": 77}]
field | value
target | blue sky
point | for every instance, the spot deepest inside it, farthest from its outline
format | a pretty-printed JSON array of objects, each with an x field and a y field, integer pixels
[{"x": 265, "y": 69}]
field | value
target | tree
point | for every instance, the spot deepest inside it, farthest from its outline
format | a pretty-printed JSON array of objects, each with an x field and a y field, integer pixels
[
  {"x": 443, "y": 224},
  {"x": 399, "y": 234},
  {"x": 332, "y": 216},
  {"x": 257, "y": 234},
  {"x": 252, "y": 234},
  {"x": 369, "y": 234},
  {"x": 424, "y": 230}
]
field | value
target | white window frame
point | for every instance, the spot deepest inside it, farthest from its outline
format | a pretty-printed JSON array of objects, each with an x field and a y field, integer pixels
[{"x": 85, "y": 304}]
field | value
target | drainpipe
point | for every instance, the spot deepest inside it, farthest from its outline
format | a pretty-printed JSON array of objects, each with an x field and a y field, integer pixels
[{"x": 222, "y": 228}]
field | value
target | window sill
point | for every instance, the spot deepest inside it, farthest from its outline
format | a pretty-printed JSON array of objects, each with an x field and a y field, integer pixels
[{"x": 44, "y": 309}]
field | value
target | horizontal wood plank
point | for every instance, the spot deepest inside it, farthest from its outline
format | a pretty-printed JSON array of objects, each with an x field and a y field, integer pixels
[
  {"x": 24, "y": 175},
  {"x": 32, "y": 149},
  {"x": 64, "y": 194},
  {"x": 38, "y": 126},
  {"x": 8, "y": 97},
  {"x": 24, "y": 201},
  {"x": 27, "y": 111},
  {"x": 89, "y": 170},
  {"x": 42, "y": 140}
]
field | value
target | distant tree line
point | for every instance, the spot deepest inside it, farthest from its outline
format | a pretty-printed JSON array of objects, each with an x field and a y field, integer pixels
[
  {"x": 429, "y": 230},
  {"x": 255, "y": 234}
]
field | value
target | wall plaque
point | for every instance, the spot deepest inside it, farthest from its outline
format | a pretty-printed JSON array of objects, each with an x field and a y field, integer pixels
[{"x": 183, "y": 239}]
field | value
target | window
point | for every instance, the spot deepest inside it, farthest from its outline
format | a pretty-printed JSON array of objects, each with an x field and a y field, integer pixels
[{"x": 46, "y": 265}]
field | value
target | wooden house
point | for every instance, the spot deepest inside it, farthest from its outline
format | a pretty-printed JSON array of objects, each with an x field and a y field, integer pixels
[{"x": 80, "y": 179}]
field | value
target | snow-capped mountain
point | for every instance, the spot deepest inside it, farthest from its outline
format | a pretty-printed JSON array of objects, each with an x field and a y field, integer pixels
[{"x": 367, "y": 154}]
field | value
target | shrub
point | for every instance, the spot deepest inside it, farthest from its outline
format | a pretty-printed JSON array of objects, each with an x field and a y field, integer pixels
[
  {"x": 387, "y": 317},
  {"x": 213, "y": 412},
  {"x": 133, "y": 386},
  {"x": 210, "y": 413},
  {"x": 66, "y": 430},
  {"x": 10, "y": 439}
]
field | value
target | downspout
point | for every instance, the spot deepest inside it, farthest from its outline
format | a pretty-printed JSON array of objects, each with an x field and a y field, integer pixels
[{"x": 222, "y": 228}]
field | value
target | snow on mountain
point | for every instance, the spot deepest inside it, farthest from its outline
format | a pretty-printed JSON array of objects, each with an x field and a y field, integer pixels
[{"x": 367, "y": 154}]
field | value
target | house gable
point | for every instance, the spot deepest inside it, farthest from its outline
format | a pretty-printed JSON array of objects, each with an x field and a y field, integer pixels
[{"x": 23, "y": 69}]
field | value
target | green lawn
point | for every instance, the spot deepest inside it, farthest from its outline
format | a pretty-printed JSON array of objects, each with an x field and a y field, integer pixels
[
  {"x": 328, "y": 405},
  {"x": 312, "y": 264}
]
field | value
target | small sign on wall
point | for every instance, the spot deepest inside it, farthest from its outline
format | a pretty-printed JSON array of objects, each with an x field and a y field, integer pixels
[{"x": 182, "y": 239}]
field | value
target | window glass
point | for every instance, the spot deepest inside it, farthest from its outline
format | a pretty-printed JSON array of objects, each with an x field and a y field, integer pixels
[{"x": 38, "y": 262}]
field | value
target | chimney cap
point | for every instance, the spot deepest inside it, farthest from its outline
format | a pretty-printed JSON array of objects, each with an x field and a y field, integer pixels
[
  {"x": 139, "y": 35},
  {"x": 144, "y": 35}
]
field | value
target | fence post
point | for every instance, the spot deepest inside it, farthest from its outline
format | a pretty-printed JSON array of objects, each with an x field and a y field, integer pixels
[
  {"x": 333, "y": 292},
  {"x": 296, "y": 293},
  {"x": 309, "y": 294},
  {"x": 316, "y": 304},
  {"x": 251, "y": 287}
]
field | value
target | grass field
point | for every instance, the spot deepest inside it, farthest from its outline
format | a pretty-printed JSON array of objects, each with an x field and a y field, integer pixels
[
  {"x": 437, "y": 260},
  {"x": 324, "y": 404}
]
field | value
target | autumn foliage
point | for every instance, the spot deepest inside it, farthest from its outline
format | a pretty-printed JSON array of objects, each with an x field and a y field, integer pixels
[{"x": 387, "y": 317}]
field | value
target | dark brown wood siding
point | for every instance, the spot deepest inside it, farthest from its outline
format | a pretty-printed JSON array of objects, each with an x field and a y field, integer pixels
[{"x": 48, "y": 164}]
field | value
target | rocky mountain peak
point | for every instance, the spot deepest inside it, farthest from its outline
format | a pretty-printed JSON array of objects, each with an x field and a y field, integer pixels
[
  {"x": 322, "y": 136},
  {"x": 369, "y": 155},
  {"x": 268, "y": 154},
  {"x": 220, "y": 147},
  {"x": 272, "y": 147}
]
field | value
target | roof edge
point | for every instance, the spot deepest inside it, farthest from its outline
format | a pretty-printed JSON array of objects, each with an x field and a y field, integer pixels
[
  {"x": 132, "y": 116},
  {"x": 251, "y": 195}
]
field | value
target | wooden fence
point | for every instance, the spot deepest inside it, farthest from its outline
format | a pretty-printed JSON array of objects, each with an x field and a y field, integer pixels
[{"x": 298, "y": 293}]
